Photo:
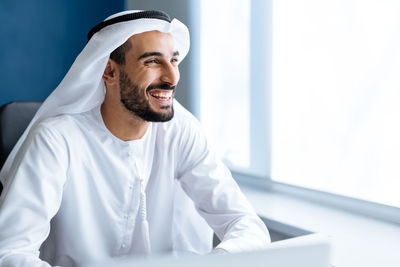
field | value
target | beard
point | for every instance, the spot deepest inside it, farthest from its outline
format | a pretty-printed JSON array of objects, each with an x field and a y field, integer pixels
[{"x": 134, "y": 99}]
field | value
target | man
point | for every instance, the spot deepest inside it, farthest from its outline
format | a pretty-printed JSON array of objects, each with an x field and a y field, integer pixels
[{"x": 111, "y": 165}]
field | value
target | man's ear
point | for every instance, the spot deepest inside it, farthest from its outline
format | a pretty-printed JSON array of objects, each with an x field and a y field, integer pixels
[{"x": 110, "y": 72}]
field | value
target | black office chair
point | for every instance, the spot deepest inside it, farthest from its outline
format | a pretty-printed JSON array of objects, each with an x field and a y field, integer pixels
[{"x": 14, "y": 118}]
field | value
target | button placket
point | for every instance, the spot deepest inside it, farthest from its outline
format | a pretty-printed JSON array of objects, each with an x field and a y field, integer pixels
[
  {"x": 131, "y": 207},
  {"x": 132, "y": 163}
]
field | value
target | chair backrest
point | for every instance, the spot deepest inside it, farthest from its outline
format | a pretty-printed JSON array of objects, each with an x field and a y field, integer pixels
[{"x": 14, "y": 118}]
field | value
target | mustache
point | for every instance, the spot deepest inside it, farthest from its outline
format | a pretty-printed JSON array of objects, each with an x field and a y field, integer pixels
[{"x": 164, "y": 86}]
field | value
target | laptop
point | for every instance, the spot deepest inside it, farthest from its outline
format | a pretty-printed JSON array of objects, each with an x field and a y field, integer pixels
[{"x": 308, "y": 251}]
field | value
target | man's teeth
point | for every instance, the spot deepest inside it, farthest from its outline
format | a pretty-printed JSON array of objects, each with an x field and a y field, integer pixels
[{"x": 163, "y": 95}]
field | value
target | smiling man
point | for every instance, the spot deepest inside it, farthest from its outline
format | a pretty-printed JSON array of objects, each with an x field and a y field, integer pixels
[
  {"x": 142, "y": 75},
  {"x": 111, "y": 165}
]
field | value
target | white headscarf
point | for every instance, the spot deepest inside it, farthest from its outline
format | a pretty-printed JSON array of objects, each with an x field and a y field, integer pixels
[{"x": 82, "y": 87}]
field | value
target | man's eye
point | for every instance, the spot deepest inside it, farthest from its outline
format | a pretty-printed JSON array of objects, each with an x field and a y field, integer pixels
[
  {"x": 174, "y": 60},
  {"x": 151, "y": 61}
]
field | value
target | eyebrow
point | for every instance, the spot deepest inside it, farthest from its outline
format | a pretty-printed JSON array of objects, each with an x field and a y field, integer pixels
[{"x": 155, "y": 54}]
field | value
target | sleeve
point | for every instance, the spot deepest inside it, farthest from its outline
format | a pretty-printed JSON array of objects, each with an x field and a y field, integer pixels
[
  {"x": 217, "y": 197},
  {"x": 31, "y": 197}
]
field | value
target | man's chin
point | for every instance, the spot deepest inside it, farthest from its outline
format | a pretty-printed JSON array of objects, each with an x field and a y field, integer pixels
[
  {"x": 161, "y": 113},
  {"x": 149, "y": 113},
  {"x": 166, "y": 107},
  {"x": 165, "y": 116},
  {"x": 166, "y": 113}
]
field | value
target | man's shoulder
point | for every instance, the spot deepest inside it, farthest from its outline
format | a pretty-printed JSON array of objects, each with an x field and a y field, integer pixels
[
  {"x": 63, "y": 120},
  {"x": 61, "y": 124}
]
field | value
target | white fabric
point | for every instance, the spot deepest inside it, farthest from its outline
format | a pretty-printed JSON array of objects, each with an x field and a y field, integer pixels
[
  {"x": 83, "y": 88},
  {"x": 77, "y": 185}
]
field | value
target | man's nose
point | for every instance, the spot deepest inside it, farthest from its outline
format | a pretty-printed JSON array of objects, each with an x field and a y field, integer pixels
[{"x": 170, "y": 74}]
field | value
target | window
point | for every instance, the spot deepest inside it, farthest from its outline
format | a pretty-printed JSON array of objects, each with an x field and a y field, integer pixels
[
  {"x": 305, "y": 92},
  {"x": 224, "y": 78},
  {"x": 336, "y": 95}
]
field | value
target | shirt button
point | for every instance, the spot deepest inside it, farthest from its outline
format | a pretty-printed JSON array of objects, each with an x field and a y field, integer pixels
[
  {"x": 123, "y": 246},
  {"x": 126, "y": 216},
  {"x": 130, "y": 186}
]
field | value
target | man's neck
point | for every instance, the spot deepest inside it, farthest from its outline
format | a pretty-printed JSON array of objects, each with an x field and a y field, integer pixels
[{"x": 122, "y": 123}]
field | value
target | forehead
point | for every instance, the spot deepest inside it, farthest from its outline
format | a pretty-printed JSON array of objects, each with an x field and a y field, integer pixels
[{"x": 153, "y": 41}]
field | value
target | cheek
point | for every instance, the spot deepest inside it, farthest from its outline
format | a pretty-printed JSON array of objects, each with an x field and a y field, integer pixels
[
  {"x": 142, "y": 80},
  {"x": 147, "y": 77}
]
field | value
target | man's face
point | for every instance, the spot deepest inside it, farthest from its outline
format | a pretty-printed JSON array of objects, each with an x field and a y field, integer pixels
[{"x": 147, "y": 80}]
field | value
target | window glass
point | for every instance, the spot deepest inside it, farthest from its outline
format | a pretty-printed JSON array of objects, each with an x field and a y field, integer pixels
[
  {"x": 224, "y": 76},
  {"x": 336, "y": 95}
]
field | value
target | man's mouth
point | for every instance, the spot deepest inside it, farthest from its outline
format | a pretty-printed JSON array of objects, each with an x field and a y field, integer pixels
[{"x": 162, "y": 96}]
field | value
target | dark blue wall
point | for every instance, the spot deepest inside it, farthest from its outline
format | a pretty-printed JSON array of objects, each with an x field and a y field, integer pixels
[{"x": 40, "y": 39}]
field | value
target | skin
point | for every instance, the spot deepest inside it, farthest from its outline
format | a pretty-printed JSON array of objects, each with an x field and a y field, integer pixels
[{"x": 143, "y": 70}]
